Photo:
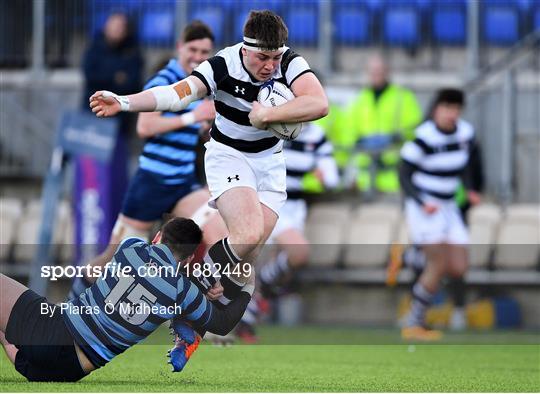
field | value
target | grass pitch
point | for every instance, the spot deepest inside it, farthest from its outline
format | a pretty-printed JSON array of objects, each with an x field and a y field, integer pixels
[{"x": 321, "y": 359}]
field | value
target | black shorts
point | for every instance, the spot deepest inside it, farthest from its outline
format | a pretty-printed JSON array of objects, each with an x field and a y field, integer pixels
[{"x": 46, "y": 349}]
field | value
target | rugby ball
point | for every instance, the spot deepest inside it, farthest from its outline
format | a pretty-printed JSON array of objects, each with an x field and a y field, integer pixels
[{"x": 274, "y": 94}]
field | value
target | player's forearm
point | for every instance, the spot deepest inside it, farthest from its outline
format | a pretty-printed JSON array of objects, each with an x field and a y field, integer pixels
[
  {"x": 173, "y": 98},
  {"x": 405, "y": 179},
  {"x": 224, "y": 320},
  {"x": 142, "y": 102},
  {"x": 301, "y": 109},
  {"x": 157, "y": 125}
]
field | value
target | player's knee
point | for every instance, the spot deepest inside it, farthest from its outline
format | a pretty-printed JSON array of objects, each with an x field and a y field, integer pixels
[
  {"x": 248, "y": 236},
  {"x": 298, "y": 256},
  {"x": 457, "y": 268},
  {"x": 122, "y": 230}
]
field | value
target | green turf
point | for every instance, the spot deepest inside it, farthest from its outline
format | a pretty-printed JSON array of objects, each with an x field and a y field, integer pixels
[{"x": 461, "y": 364}]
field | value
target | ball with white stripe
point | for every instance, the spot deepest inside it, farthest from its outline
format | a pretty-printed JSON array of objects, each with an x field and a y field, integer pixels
[{"x": 274, "y": 94}]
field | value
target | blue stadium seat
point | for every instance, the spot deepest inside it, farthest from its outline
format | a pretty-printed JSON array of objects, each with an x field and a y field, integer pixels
[
  {"x": 501, "y": 25},
  {"x": 157, "y": 28},
  {"x": 351, "y": 26},
  {"x": 240, "y": 12},
  {"x": 449, "y": 26},
  {"x": 303, "y": 25},
  {"x": 374, "y": 5},
  {"x": 536, "y": 24},
  {"x": 239, "y": 20},
  {"x": 213, "y": 17},
  {"x": 401, "y": 27}
]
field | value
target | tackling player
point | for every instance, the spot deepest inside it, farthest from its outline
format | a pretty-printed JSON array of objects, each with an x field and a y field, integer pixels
[{"x": 48, "y": 342}]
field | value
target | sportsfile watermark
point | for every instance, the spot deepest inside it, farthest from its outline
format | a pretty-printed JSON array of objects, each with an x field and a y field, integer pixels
[
  {"x": 110, "y": 269},
  {"x": 148, "y": 270}
]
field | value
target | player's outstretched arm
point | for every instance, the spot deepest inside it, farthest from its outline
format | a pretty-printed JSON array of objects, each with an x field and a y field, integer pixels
[
  {"x": 160, "y": 98},
  {"x": 310, "y": 103},
  {"x": 216, "y": 320}
]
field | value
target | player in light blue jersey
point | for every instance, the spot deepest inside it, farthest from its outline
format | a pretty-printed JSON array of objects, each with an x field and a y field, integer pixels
[
  {"x": 166, "y": 172},
  {"x": 142, "y": 287}
]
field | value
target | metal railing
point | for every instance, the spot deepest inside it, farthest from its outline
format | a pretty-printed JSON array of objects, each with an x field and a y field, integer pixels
[{"x": 510, "y": 132}]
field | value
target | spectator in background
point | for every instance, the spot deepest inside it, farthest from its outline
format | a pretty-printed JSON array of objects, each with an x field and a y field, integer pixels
[
  {"x": 113, "y": 61},
  {"x": 383, "y": 112}
]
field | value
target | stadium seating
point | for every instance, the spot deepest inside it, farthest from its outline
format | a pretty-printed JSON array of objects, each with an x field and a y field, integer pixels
[
  {"x": 157, "y": 28},
  {"x": 401, "y": 27},
  {"x": 368, "y": 243},
  {"x": 213, "y": 17},
  {"x": 372, "y": 231},
  {"x": 523, "y": 213},
  {"x": 326, "y": 227},
  {"x": 518, "y": 246},
  {"x": 27, "y": 232},
  {"x": 352, "y": 23},
  {"x": 26, "y": 236},
  {"x": 483, "y": 226},
  {"x": 10, "y": 212},
  {"x": 500, "y": 25},
  {"x": 303, "y": 21},
  {"x": 404, "y": 23},
  {"x": 449, "y": 26},
  {"x": 518, "y": 243}
]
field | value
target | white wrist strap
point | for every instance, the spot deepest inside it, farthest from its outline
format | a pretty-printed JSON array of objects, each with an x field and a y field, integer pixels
[
  {"x": 122, "y": 100},
  {"x": 187, "y": 119}
]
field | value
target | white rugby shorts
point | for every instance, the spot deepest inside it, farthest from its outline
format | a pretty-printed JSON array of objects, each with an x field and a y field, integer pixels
[
  {"x": 264, "y": 172},
  {"x": 443, "y": 226},
  {"x": 291, "y": 216}
]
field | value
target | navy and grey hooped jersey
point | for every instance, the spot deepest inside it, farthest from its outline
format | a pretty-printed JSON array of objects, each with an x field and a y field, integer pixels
[
  {"x": 439, "y": 158},
  {"x": 171, "y": 155},
  {"x": 234, "y": 89},
  {"x": 138, "y": 292}
]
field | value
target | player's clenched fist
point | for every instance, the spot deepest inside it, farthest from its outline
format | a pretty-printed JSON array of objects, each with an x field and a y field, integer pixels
[{"x": 104, "y": 103}]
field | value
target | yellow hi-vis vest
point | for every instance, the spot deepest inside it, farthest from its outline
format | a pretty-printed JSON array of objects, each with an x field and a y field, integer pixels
[
  {"x": 337, "y": 130},
  {"x": 395, "y": 112}
]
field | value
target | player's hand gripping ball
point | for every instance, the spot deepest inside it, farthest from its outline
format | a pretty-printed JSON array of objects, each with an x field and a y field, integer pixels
[{"x": 274, "y": 94}]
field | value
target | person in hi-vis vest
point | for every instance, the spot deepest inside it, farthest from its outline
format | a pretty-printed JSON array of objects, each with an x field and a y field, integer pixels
[{"x": 383, "y": 115}]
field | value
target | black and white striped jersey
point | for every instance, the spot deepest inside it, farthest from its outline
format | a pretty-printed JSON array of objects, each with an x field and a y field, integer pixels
[
  {"x": 234, "y": 89},
  {"x": 437, "y": 159},
  {"x": 309, "y": 151}
]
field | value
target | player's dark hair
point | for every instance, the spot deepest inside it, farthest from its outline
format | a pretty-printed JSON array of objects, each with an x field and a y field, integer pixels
[
  {"x": 450, "y": 96},
  {"x": 267, "y": 27},
  {"x": 447, "y": 96},
  {"x": 196, "y": 30},
  {"x": 182, "y": 236}
]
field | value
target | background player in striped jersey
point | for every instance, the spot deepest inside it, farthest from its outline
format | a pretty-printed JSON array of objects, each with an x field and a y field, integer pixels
[
  {"x": 120, "y": 309},
  {"x": 311, "y": 168},
  {"x": 433, "y": 165},
  {"x": 244, "y": 163},
  {"x": 166, "y": 172}
]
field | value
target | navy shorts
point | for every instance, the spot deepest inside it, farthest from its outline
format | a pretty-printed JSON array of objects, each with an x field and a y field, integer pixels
[
  {"x": 46, "y": 349},
  {"x": 148, "y": 198}
]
